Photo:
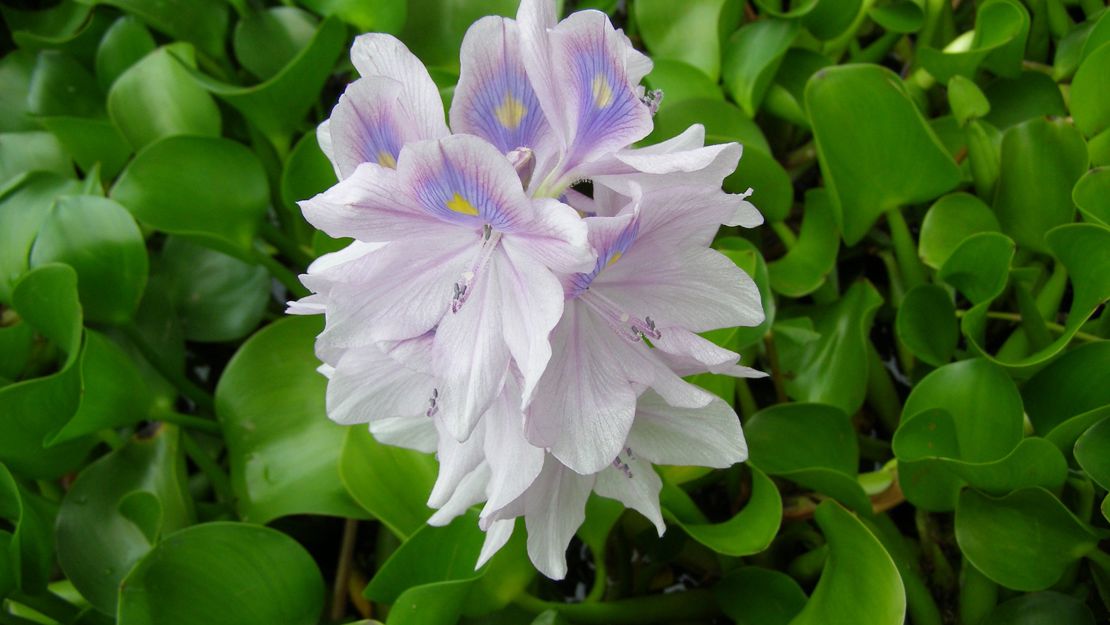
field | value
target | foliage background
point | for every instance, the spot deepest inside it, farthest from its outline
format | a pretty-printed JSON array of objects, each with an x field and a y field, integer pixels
[{"x": 932, "y": 446}]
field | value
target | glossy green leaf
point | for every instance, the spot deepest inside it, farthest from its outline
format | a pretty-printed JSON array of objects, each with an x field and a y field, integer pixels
[
  {"x": 1092, "y": 195},
  {"x": 100, "y": 240},
  {"x": 217, "y": 297},
  {"x": 200, "y": 22},
  {"x": 390, "y": 483},
  {"x": 223, "y": 573},
  {"x": 1024, "y": 540},
  {"x": 435, "y": 28},
  {"x": 747, "y": 257},
  {"x": 755, "y": 596},
  {"x": 152, "y": 466},
  {"x": 62, "y": 86},
  {"x": 91, "y": 142},
  {"x": 154, "y": 98},
  {"x": 386, "y": 16},
  {"x": 31, "y": 518},
  {"x": 16, "y": 68},
  {"x": 1069, "y": 386},
  {"x": 1015, "y": 100},
  {"x": 900, "y": 16},
  {"x": 213, "y": 190},
  {"x": 31, "y": 410},
  {"x": 266, "y": 41},
  {"x": 279, "y": 104},
  {"x": 23, "y": 210},
  {"x": 1087, "y": 100},
  {"x": 830, "y": 19},
  {"x": 860, "y": 583},
  {"x": 431, "y": 579},
  {"x": 681, "y": 81},
  {"x": 748, "y": 532},
  {"x": 1001, "y": 29},
  {"x": 926, "y": 324},
  {"x": 1091, "y": 452},
  {"x": 22, "y": 152},
  {"x": 804, "y": 268},
  {"x": 752, "y": 57},
  {"x": 811, "y": 444},
  {"x": 950, "y": 220},
  {"x": 688, "y": 32},
  {"x": 283, "y": 449},
  {"x": 854, "y": 110},
  {"x": 833, "y": 369},
  {"x": 966, "y": 100},
  {"x": 1041, "y": 608},
  {"x": 1041, "y": 162},
  {"x": 723, "y": 122},
  {"x": 124, "y": 44},
  {"x": 979, "y": 266}
]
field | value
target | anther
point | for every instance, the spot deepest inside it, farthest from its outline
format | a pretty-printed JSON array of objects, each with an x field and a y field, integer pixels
[
  {"x": 433, "y": 407},
  {"x": 652, "y": 99}
]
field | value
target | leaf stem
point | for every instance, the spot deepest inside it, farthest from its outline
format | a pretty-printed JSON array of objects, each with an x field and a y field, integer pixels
[
  {"x": 343, "y": 570},
  {"x": 192, "y": 422},
  {"x": 789, "y": 239},
  {"x": 905, "y": 252},
  {"x": 48, "y": 604},
  {"x": 284, "y": 244},
  {"x": 221, "y": 484},
  {"x": 281, "y": 273},
  {"x": 184, "y": 385},
  {"x": 1016, "y": 318},
  {"x": 679, "y": 606},
  {"x": 776, "y": 372},
  {"x": 7, "y": 618}
]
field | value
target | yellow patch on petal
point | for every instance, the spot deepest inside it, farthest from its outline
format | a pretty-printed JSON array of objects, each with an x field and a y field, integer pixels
[
  {"x": 603, "y": 93},
  {"x": 510, "y": 112},
  {"x": 460, "y": 205},
  {"x": 385, "y": 159},
  {"x": 614, "y": 258}
]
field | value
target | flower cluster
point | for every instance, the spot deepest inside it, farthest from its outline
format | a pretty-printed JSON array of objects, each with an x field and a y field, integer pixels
[{"x": 533, "y": 335}]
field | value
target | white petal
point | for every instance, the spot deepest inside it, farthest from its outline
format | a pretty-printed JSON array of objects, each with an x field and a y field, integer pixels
[
  {"x": 556, "y": 509},
  {"x": 514, "y": 462},
  {"x": 639, "y": 492},
  {"x": 470, "y": 490},
  {"x": 709, "y": 436},
  {"x": 496, "y": 536},
  {"x": 368, "y": 385},
  {"x": 377, "y": 54},
  {"x": 416, "y": 433},
  {"x": 456, "y": 461}
]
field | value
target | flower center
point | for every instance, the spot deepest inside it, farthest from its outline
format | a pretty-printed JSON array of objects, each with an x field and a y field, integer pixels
[
  {"x": 622, "y": 465},
  {"x": 625, "y": 325}
]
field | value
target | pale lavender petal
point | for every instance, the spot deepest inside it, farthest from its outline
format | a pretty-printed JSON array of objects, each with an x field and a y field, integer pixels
[
  {"x": 370, "y": 124},
  {"x": 457, "y": 460},
  {"x": 469, "y": 491},
  {"x": 368, "y": 385},
  {"x": 692, "y": 353},
  {"x": 610, "y": 237},
  {"x": 636, "y": 485},
  {"x": 416, "y": 433},
  {"x": 708, "y": 436},
  {"x": 556, "y": 509},
  {"x": 514, "y": 463},
  {"x": 555, "y": 236},
  {"x": 377, "y": 54},
  {"x": 496, "y": 536},
  {"x": 494, "y": 99}
]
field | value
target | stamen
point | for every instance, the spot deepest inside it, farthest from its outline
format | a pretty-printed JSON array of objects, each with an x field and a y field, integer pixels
[
  {"x": 620, "y": 465},
  {"x": 652, "y": 99},
  {"x": 463, "y": 287},
  {"x": 625, "y": 325},
  {"x": 433, "y": 408}
]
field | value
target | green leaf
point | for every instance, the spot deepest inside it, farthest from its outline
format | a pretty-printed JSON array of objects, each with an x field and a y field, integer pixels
[
  {"x": 100, "y": 240},
  {"x": 1091, "y": 453},
  {"x": 830, "y": 19},
  {"x": 266, "y": 41},
  {"x": 803, "y": 269},
  {"x": 833, "y": 369},
  {"x": 747, "y": 257},
  {"x": 151, "y": 463},
  {"x": 1092, "y": 195},
  {"x": 855, "y": 109},
  {"x": 1041, "y": 162},
  {"x": 749, "y": 531},
  {"x": 278, "y": 105},
  {"x": 1001, "y": 29},
  {"x": 723, "y": 122},
  {"x": 200, "y": 22},
  {"x": 154, "y": 98},
  {"x": 755, "y": 596},
  {"x": 16, "y": 68},
  {"x": 900, "y": 16},
  {"x": 91, "y": 142},
  {"x": 307, "y": 171},
  {"x": 124, "y": 44},
  {"x": 221, "y": 573},
  {"x": 860, "y": 583},
  {"x": 1015, "y": 100},
  {"x": 949, "y": 221},
  {"x": 217, "y": 297},
  {"x": 282, "y": 447},
  {"x": 1069, "y": 386},
  {"x": 1041, "y": 608},
  {"x": 681, "y": 81},
  {"x": 213, "y": 190},
  {"x": 687, "y": 32},
  {"x": 430, "y": 579},
  {"x": 1087, "y": 100},
  {"x": 434, "y": 29},
  {"x": 386, "y": 16},
  {"x": 1024, "y": 540},
  {"x": 22, "y": 152},
  {"x": 62, "y": 86},
  {"x": 389, "y": 482},
  {"x": 926, "y": 324},
  {"x": 980, "y": 266},
  {"x": 966, "y": 100},
  {"x": 30, "y": 552},
  {"x": 23, "y": 210},
  {"x": 752, "y": 57}
]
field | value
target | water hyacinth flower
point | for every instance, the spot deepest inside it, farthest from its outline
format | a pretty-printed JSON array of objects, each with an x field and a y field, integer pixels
[{"x": 533, "y": 336}]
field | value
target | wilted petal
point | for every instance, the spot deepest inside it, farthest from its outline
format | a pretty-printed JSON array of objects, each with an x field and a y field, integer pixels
[
  {"x": 635, "y": 484},
  {"x": 708, "y": 436},
  {"x": 377, "y": 54},
  {"x": 494, "y": 99}
]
